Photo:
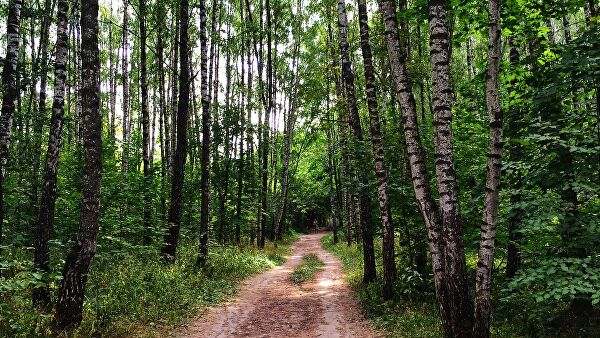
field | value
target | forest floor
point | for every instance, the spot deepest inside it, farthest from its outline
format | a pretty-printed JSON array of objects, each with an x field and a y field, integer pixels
[{"x": 271, "y": 305}]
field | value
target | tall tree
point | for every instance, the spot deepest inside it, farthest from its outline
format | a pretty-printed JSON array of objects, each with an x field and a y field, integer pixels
[
  {"x": 174, "y": 219},
  {"x": 242, "y": 128},
  {"x": 10, "y": 92},
  {"x": 206, "y": 122},
  {"x": 359, "y": 154},
  {"x": 485, "y": 262},
  {"x": 442, "y": 97},
  {"x": 40, "y": 115},
  {"x": 175, "y": 48},
  {"x": 145, "y": 124},
  {"x": 125, "y": 93},
  {"x": 515, "y": 152},
  {"x": 165, "y": 153},
  {"x": 41, "y": 295},
  {"x": 345, "y": 199},
  {"x": 112, "y": 74},
  {"x": 336, "y": 203},
  {"x": 389, "y": 266},
  {"x": 287, "y": 141},
  {"x": 268, "y": 105},
  {"x": 416, "y": 156},
  {"x": 250, "y": 133},
  {"x": 75, "y": 272}
]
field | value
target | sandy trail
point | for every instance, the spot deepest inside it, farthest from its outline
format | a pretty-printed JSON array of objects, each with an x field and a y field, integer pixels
[{"x": 270, "y": 305}]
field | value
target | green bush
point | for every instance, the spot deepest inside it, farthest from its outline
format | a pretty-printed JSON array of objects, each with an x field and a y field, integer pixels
[{"x": 548, "y": 290}]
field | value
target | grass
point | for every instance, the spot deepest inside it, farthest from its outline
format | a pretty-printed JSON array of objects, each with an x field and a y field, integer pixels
[
  {"x": 307, "y": 270},
  {"x": 133, "y": 294}
]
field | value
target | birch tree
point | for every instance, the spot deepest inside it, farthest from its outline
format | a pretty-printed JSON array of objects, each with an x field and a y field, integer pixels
[
  {"x": 358, "y": 154},
  {"x": 69, "y": 306},
  {"x": 10, "y": 92},
  {"x": 174, "y": 218},
  {"x": 41, "y": 295}
]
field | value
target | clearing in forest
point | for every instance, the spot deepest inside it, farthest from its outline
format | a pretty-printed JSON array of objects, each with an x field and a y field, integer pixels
[{"x": 272, "y": 305}]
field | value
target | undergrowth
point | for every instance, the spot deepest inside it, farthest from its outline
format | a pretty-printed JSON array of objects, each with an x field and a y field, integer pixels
[
  {"x": 136, "y": 295},
  {"x": 413, "y": 311},
  {"x": 310, "y": 266}
]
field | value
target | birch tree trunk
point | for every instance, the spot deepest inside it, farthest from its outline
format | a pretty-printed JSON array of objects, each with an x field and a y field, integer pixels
[
  {"x": 40, "y": 115},
  {"x": 10, "y": 92},
  {"x": 153, "y": 125},
  {"x": 206, "y": 123},
  {"x": 485, "y": 262},
  {"x": 147, "y": 239},
  {"x": 339, "y": 193},
  {"x": 416, "y": 155},
  {"x": 241, "y": 126},
  {"x": 173, "y": 136},
  {"x": 268, "y": 105},
  {"x": 250, "y": 133},
  {"x": 125, "y": 83},
  {"x": 459, "y": 303},
  {"x": 513, "y": 254},
  {"x": 359, "y": 151},
  {"x": 75, "y": 273},
  {"x": 174, "y": 219},
  {"x": 287, "y": 141},
  {"x": 344, "y": 198},
  {"x": 163, "y": 120},
  {"x": 226, "y": 118},
  {"x": 331, "y": 170},
  {"x": 112, "y": 81},
  {"x": 41, "y": 295},
  {"x": 389, "y": 266}
]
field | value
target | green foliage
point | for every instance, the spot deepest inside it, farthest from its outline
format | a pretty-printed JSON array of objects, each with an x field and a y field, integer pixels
[
  {"x": 136, "y": 294},
  {"x": 552, "y": 148},
  {"x": 413, "y": 311},
  {"x": 548, "y": 290},
  {"x": 400, "y": 317},
  {"x": 311, "y": 264}
]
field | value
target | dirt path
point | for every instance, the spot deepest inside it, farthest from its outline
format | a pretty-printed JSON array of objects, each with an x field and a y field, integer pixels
[{"x": 270, "y": 305}]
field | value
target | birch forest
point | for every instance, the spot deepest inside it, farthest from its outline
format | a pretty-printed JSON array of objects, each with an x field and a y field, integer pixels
[{"x": 300, "y": 168}]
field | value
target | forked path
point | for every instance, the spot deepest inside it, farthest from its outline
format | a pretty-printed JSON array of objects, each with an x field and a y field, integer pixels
[{"x": 270, "y": 305}]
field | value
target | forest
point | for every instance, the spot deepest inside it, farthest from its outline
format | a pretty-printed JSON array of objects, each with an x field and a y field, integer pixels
[{"x": 440, "y": 158}]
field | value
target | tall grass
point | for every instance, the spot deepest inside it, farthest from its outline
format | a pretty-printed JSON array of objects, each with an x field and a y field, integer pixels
[
  {"x": 413, "y": 311},
  {"x": 134, "y": 294},
  {"x": 406, "y": 315}
]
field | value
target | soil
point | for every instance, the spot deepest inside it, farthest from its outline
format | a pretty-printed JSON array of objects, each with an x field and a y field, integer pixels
[{"x": 271, "y": 305}]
